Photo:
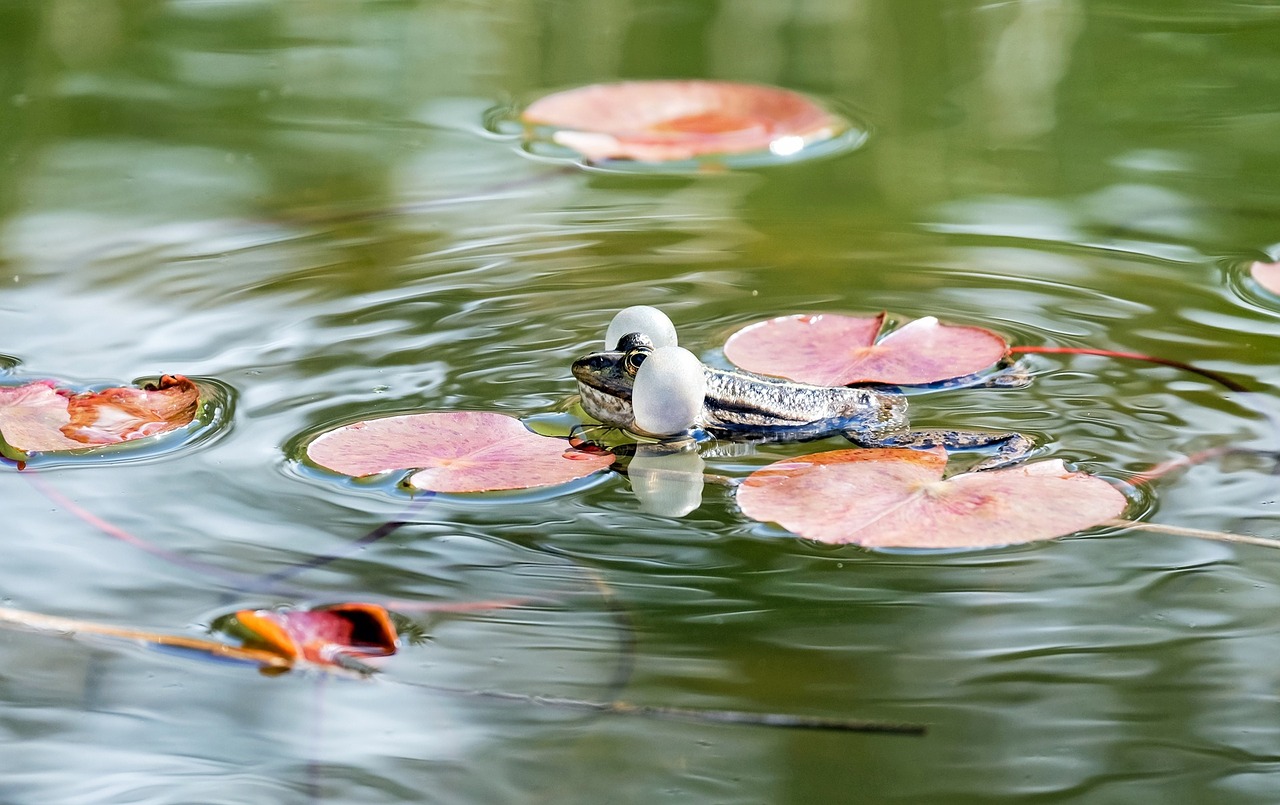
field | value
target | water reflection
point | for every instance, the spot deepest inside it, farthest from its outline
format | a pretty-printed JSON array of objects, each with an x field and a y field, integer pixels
[{"x": 666, "y": 483}]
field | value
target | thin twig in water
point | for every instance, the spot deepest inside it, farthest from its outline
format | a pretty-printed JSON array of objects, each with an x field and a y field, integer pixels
[
  {"x": 320, "y": 560},
  {"x": 68, "y": 627},
  {"x": 738, "y": 717}
]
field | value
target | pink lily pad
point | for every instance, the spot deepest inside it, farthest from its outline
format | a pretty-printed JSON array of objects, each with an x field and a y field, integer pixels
[
  {"x": 40, "y": 417},
  {"x": 1267, "y": 275},
  {"x": 668, "y": 121},
  {"x": 898, "y": 498},
  {"x": 455, "y": 451},
  {"x": 834, "y": 350}
]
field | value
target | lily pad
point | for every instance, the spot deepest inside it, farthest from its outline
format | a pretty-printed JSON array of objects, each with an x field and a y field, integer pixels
[
  {"x": 40, "y": 417},
  {"x": 1267, "y": 275},
  {"x": 455, "y": 451},
  {"x": 835, "y": 350},
  {"x": 672, "y": 121},
  {"x": 325, "y": 635},
  {"x": 898, "y": 498}
]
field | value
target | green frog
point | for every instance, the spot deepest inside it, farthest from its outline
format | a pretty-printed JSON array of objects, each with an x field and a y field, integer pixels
[{"x": 742, "y": 406}]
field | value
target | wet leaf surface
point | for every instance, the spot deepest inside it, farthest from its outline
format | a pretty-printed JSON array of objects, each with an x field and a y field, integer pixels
[
  {"x": 835, "y": 350},
  {"x": 1267, "y": 275},
  {"x": 40, "y": 417},
  {"x": 668, "y": 121},
  {"x": 455, "y": 451},
  {"x": 898, "y": 498}
]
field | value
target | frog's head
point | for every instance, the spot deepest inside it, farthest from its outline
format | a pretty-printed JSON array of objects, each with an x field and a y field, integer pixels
[
  {"x": 642, "y": 382},
  {"x": 607, "y": 379}
]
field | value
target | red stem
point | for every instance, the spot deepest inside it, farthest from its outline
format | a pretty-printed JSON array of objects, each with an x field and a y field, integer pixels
[
  {"x": 47, "y": 489},
  {"x": 1222, "y": 380}
]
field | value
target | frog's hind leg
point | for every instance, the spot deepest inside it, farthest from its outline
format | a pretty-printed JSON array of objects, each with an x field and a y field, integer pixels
[{"x": 1010, "y": 447}]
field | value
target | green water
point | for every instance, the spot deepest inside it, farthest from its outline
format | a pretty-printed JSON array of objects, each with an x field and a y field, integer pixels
[{"x": 299, "y": 199}]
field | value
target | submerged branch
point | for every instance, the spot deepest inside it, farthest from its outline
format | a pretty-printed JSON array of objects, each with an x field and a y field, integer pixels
[{"x": 738, "y": 717}]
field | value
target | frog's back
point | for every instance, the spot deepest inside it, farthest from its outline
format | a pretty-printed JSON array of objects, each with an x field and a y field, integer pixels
[{"x": 740, "y": 402}]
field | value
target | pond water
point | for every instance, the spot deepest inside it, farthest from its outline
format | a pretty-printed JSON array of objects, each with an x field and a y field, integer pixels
[{"x": 301, "y": 201}]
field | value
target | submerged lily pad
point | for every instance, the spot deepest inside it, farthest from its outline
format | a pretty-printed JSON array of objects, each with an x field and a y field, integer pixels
[
  {"x": 835, "y": 350},
  {"x": 898, "y": 498},
  {"x": 672, "y": 121},
  {"x": 40, "y": 417},
  {"x": 454, "y": 451},
  {"x": 1267, "y": 275}
]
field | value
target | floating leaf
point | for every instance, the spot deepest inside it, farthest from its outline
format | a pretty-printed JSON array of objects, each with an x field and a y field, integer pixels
[
  {"x": 1267, "y": 275},
  {"x": 835, "y": 350},
  {"x": 40, "y": 417},
  {"x": 455, "y": 451},
  {"x": 897, "y": 498},
  {"x": 671, "y": 121},
  {"x": 331, "y": 635}
]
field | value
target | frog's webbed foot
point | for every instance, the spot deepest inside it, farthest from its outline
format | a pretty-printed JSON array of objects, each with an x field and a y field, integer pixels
[
  {"x": 588, "y": 436},
  {"x": 592, "y": 437},
  {"x": 1010, "y": 447},
  {"x": 1016, "y": 375},
  {"x": 670, "y": 445}
]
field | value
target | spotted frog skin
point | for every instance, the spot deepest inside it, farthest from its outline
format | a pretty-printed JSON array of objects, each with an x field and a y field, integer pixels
[{"x": 743, "y": 406}]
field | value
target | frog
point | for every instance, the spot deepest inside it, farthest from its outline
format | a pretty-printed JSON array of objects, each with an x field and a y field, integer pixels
[{"x": 742, "y": 406}]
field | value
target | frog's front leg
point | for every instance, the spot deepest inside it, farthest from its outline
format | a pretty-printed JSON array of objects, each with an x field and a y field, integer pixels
[{"x": 1012, "y": 447}]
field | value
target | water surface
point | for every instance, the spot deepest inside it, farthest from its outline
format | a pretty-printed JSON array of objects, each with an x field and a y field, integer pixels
[{"x": 301, "y": 201}]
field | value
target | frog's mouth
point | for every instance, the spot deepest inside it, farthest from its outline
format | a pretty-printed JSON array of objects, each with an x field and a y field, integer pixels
[
  {"x": 605, "y": 395},
  {"x": 605, "y": 407}
]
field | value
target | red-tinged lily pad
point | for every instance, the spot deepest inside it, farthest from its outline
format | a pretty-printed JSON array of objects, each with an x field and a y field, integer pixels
[
  {"x": 40, "y": 417},
  {"x": 324, "y": 636},
  {"x": 1267, "y": 275},
  {"x": 834, "y": 350},
  {"x": 455, "y": 451},
  {"x": 898, "y": 498},
  {"x": 672, "y": 121}
]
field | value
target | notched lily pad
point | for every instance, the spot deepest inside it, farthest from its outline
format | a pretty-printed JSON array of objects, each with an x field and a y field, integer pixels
[
  {"x": 454, "y": 451},
  {"x": 898, "y": 498},
  {"x": 1267, "y": 275},
  {"x": 836, "y": 350},
  {"x": 40, "y": 417}
]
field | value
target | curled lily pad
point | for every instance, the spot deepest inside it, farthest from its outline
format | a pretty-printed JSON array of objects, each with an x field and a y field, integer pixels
[
  {"x": 672, "y": 121},
  {"x": 898, "y": 498},
  {"x": 835, "y": 350},
  {"x": 1267, "y": 275},
  {"x": 40, "y": 417},
  {"x": 329, "y": 635},
  {"x": 454, "y": 451}
]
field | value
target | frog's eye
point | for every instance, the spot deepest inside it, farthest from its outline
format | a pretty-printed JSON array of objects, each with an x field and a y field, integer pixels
[
  {"x": 669, "y": 392},
  {"x": 648, "y": 321},
  {"x": 632, "y": 360}
]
